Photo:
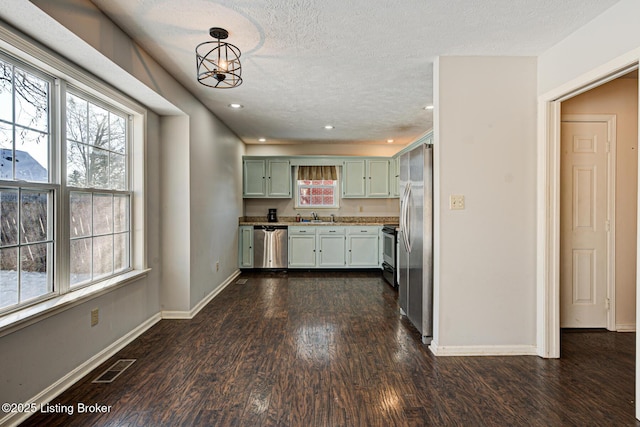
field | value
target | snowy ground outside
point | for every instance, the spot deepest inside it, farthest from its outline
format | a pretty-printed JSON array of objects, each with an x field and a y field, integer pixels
[{"x": 33, "y": 286}]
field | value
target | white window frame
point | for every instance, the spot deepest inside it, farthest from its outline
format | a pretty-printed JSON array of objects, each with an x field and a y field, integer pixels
[
  {"x": 52, "y": 187},
  {"x": 19, "y": 48},
  {"x": 67, "y": 190},
  {"x": 336, "y": 194}
]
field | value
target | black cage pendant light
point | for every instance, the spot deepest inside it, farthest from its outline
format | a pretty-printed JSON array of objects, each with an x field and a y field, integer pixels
[{"x": 218, "y": 62}]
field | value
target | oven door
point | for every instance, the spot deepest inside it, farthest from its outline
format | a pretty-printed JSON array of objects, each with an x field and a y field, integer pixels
[
  {"x": 389, "y": 248},
  {"x": 389, "y": 274}
]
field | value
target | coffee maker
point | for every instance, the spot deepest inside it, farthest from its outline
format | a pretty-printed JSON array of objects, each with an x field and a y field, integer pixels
[{"x": 271, "y": 216}]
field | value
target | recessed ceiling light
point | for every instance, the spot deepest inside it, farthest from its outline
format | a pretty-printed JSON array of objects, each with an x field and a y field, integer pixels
[
  {"x": 328, "y": 127},
  {"x": 235, "y": 106},
  {"x": 429, "y": 107},
  {"x": 262, "y": 139},
  {"x": 389, "y": 141}
]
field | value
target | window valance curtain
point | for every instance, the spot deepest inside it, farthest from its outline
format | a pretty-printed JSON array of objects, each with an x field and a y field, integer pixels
[{"x": 317, "y": 173}]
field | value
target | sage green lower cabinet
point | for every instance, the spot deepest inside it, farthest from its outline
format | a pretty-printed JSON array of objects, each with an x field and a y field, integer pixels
[
  {"x": 302, "y": 247},
  {"x": 322, "y": 246},
  {"x": 245, "y": 246},
  {"x": 363, "y": 246},
  {"x": 331, "y": 247}
]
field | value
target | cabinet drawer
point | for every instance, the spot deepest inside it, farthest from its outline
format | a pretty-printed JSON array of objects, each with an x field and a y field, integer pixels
[
  {"x": 303, "y": 230},
  {"x": 365, "y": 229},
  {"x": 331, "y": 230}
]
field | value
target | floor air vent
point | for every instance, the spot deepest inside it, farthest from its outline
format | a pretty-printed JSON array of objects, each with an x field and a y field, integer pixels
[
  {"x": 114, "y": 371},
  {"x": 241, "y": 282}
]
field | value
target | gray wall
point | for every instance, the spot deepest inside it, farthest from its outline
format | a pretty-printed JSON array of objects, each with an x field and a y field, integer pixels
[{"x": 192, "y": 205}]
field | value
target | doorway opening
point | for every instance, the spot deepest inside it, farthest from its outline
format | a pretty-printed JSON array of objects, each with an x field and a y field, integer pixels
[
  {"x": 549, "y": 198},
  {"x": 598, "y": 205}
]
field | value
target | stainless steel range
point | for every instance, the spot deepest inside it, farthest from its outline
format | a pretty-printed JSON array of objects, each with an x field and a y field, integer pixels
[{"x": 390, "y": 253}]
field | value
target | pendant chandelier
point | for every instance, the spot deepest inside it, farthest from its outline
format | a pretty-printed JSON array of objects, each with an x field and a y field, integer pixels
[{"x": 218, "y": 63}]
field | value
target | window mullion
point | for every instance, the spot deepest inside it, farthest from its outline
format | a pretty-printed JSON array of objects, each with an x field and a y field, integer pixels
[
  {"x": 13, "y": 118},
  {"x": 59, "y": 159},
  {"x": 19, "y": 242}
]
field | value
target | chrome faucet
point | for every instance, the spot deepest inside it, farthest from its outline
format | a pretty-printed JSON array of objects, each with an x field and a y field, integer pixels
[{"x": 314, "y": 215}]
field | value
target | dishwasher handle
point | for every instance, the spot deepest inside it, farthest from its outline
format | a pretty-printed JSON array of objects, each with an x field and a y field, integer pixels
[{"x": 270, "y": 227}]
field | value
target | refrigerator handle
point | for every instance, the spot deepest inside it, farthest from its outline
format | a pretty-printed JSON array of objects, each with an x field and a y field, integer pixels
[
  {"x": 403, "y": 203},
  {"x": 408, "y": 219},
  {"x": 404, "y": 216}
]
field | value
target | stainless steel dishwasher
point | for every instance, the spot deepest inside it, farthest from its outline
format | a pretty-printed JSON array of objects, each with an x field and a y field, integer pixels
[{"x": 270, "y": 246}]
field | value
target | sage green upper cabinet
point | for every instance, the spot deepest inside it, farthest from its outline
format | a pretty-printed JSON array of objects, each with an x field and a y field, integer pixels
[
  {"x": 365, "y": 178},
  {"x": 354, "y": 178},
  {"x": 378, "y": 178},
  {"x": 266, "y": 178},
  {"x": 254, "y": 173},
  {"x": 394, "y": 177},
  {"x": 279, "y": 178}
]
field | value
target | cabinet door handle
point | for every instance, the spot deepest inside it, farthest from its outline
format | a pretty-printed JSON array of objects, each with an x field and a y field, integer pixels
[
  {"x": 363, "y": 231},
  {"x": 332, "y": 231}
]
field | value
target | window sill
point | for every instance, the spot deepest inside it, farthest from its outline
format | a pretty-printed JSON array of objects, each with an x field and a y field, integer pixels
[{"x": 17, "y": 320}]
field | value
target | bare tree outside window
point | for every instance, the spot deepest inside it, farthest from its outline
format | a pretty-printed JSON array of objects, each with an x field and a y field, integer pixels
[
  {"x": 26, "y": 237},
  {"x": 95, "y": 242},
  {"x": 96, "y": 146},
  {"x": 97, "y": 160}
]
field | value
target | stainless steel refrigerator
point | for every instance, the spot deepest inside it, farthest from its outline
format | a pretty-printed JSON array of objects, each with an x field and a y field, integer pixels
[{"x": 416, "y": 239}]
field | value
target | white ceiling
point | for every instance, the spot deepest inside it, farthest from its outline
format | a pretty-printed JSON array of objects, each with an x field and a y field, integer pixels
[{"x": 362, "y": 66}]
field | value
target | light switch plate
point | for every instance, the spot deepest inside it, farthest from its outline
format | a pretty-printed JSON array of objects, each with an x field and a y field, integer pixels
[{"x": 456, "y": 202}]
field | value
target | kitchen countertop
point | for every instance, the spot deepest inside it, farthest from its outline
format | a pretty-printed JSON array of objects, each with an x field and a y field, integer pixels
[
  {"x": 340, "y": 221},
  {"x": 305, "y": 223}
]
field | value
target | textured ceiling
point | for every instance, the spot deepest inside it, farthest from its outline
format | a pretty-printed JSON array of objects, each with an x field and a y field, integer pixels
[{"x": 362, "y": 66}]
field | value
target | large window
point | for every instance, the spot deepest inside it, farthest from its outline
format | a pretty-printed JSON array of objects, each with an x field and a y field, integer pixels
[
  {"x": 98, "y": 198},
  {"x": 65, "y": 205},
  {"x": 26, "y": 190}
]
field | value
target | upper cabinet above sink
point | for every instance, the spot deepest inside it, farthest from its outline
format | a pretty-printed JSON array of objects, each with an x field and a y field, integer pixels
[{"x": 360, "y": 177}]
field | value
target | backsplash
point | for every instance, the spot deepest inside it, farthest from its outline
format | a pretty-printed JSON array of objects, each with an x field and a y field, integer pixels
[{"x": 348, "y": 208}]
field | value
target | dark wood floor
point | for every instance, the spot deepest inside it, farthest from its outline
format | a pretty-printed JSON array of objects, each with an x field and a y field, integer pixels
[{"x": 307, "y": 349}]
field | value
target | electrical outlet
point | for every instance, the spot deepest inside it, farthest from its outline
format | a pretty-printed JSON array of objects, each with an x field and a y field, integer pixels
[
  {"x": 360, "y": 208},
  {"x": 456, "y": 202},
  {"x": 95, "y": 317},
  {"x": 217, "y": 265}
]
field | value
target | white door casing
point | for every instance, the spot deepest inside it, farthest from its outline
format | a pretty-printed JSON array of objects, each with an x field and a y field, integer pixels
[
  {"x": 548, "y": 203},
  {"x": 587, "y": 286}
]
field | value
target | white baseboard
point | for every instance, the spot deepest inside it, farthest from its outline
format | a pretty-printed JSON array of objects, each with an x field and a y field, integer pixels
[
  {"x": 78, "y": 373},
  {"x": 483, "y": 350},
  {"x": 631, "y": 327},
  {"x": 170, "y": 314}
]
